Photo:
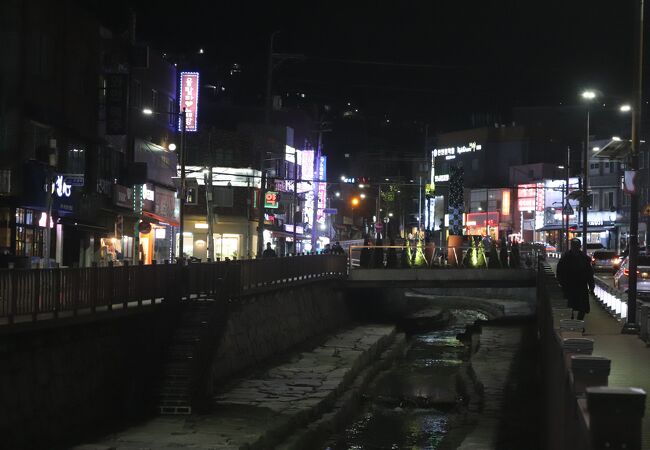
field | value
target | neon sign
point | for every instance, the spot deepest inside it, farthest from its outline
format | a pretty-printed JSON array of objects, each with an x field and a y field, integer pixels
[
  {"x": 189, "y": 100},
  {"x": 61, "y": 188},
  {"x": 450, "y": 152}
]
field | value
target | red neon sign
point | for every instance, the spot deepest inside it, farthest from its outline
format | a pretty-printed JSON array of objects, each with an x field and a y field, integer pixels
[{"x": 189, "y": 100}]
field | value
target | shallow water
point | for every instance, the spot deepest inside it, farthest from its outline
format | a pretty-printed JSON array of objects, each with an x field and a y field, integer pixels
[{"x": 415, "y": 404}]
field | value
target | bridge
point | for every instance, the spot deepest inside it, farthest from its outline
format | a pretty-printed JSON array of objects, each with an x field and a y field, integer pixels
[{"x": 98, "y": 349}]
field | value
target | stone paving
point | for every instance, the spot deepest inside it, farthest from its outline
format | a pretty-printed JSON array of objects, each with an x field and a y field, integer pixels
[
  {"x": 261, "y": 410},
  {"x": 491, "y": 364}
]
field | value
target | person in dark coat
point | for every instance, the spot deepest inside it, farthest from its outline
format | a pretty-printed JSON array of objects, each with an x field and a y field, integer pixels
[
  {"x": 365, "y": 257},
  {"x": 379, "y": 254},
  {"x": 576, "y": 276},
  {"x": 269, "y": 252}
]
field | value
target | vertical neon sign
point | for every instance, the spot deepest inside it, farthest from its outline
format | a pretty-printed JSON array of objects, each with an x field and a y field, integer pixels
[{"x": 189, "y": 100}]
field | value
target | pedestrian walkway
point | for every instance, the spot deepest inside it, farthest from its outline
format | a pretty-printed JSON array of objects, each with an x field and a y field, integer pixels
[{"x": 630, "y": 356}]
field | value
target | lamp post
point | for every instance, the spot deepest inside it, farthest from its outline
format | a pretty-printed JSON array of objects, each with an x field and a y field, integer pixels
[
  {"x": 588, "y": 96},
  {"x": 181, "y": 156},
  {"x": 631, "y": 326}
]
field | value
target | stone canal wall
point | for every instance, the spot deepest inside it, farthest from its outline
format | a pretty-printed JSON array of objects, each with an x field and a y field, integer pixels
[
  {"x": 66, "y": 379},
  {"x": 267, "y": 324}
]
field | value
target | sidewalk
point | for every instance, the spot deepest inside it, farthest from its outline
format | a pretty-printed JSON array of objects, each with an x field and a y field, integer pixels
[{"x": 629, "y": 355}]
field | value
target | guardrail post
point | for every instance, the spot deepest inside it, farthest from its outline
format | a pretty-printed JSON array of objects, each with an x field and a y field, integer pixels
[
  {"x": 126, "y": 282},
  {"x": 13, "y": 299},
  {"x": 58, "y": 291},
  {"x": 111, "y": 286},
  {"x": 140, "y": 283},
  {"x": 37, "y": 293},
  {"x": 94, "y": 290},
  {"x": 589, "y": 371},
  {"x": 615, "y": 417}
]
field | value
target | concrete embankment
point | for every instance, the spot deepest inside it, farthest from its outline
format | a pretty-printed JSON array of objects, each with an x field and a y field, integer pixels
[{"x": 310, "y": 392}]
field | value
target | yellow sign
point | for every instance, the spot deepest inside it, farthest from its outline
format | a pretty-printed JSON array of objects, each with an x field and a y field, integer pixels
[{"x": 646, "y": 210}]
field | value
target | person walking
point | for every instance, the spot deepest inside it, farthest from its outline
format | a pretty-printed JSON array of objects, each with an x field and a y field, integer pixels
[
  {"x": 269, "y": 252},
  {"x": 576, "y": 276}
]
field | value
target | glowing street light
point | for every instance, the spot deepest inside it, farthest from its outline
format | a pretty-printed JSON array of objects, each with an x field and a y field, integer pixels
[
  {"x": 355, "y": 201},
  {"x": 338, "y": 194},
  {"x": 342, "y": 177},
  {"x": 362, "y": 195},
  {"x": 172, "y": 146},
  {"x": 625, "y": 108},
  {"x": 588, "y": 94},
  {"x": 147, "y": 111}
]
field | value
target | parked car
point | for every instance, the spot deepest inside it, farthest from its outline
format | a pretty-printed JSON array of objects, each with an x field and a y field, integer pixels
[
  {"x": 605, "y": 260},
  {"x": 592, "y": 247},
  {"x": 643, "y": 276}
]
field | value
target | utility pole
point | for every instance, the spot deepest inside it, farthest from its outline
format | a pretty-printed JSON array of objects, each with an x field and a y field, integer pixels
[
  {"x": 210, "y": 212},
  {"x": 585, "y": 185},
  {"x": 631, "y": 326},
  {"x": 183, "y": 191},
  {"x": 270, "y": 67},
  {"x": 565, "y": 217},
  {"x": 294, "y": 203}
]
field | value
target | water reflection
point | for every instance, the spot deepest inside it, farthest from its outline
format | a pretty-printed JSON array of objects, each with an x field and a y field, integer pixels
[{"x": 415, "y": 404}]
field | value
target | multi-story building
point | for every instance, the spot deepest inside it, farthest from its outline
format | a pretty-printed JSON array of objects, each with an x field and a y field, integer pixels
[{"x": 48, "y": 132}]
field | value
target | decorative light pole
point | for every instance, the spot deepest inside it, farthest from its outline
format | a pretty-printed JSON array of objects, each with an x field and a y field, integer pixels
[{"x": 587, "y": 95}]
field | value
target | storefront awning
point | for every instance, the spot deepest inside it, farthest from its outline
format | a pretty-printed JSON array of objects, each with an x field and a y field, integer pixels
[{"x": 160, "y": 219}]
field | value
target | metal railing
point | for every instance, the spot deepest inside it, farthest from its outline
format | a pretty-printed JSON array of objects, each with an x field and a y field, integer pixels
[
  {"x": 33, "y": 294},
  {"x": 406, "y": 257}
]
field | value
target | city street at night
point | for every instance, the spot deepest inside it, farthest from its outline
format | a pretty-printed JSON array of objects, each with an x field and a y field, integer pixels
[{"x": 324, "y": 225}]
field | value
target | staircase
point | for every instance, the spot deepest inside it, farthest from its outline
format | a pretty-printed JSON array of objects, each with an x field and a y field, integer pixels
[{"x": 179, "y": 374}]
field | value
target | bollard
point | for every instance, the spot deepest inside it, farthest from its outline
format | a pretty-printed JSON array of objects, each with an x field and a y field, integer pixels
[
  {"x": 572, "y": 325},
  {"x": 578, "y": 345},
  {"x": 615, "y": 417},
  {"x": 589, "y": 371}
]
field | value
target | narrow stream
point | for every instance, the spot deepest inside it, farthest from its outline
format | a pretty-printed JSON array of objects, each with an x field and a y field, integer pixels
[{"x": 427, "y": 400}]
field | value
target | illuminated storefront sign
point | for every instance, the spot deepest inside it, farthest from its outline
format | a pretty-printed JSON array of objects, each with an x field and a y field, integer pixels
[
  {"x": 451, "y": 152},
  {"x": 189, "y": 100},
  {"x": 271, "y": 200},
  {"x": 505, "y": 202},
  {"x": 61, "y": 188},
  {"x": 441, "y": 178},
  {"x": 530, "y": 197}
]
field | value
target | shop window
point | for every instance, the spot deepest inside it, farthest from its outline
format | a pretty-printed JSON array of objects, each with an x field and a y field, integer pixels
[
  {"x": 594, "y": 201},
  {"x": 76, "y": 160}
]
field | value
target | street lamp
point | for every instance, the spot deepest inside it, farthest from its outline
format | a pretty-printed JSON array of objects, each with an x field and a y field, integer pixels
[
  {"x": 625, "y": 108},
  {"x": 588, "y": 96},
  {"x": 181, "y": 156}
]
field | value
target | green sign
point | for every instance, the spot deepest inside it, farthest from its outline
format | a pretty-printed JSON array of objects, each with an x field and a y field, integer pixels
[{"x": 271, "y": 200}]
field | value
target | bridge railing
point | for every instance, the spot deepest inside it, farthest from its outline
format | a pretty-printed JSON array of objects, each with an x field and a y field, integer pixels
[
  {"x": 411, "y": 256},
  {"x": 32, "y": 294}
]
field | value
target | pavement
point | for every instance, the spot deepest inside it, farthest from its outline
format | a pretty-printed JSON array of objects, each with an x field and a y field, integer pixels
[
  {"x": 630, "y": 356},
  {"x": 262, "y": 409}
]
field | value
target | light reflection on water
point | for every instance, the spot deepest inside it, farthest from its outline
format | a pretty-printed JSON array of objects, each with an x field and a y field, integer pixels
[{"x": 432, "y": 359}]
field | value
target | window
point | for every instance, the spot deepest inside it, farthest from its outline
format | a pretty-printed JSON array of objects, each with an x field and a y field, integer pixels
[
  {"x": 76, "y": 160},
  {"x": 170, "y": 108},
  {"x": 29, "y": 235},
  {"x": 136, "y": 97},
  {"x": 608, "y": 200},
  {"x": 594, "y": 199},
  {"x": 154, "y": 100},
  {"x": 626, "y": 199}
]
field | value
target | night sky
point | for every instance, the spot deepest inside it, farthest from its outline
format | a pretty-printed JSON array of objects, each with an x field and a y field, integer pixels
[{"x": 448, "y": 64}]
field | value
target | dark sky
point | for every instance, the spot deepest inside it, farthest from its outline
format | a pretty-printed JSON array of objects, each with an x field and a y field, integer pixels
[{"x": 439, "y": 62}]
